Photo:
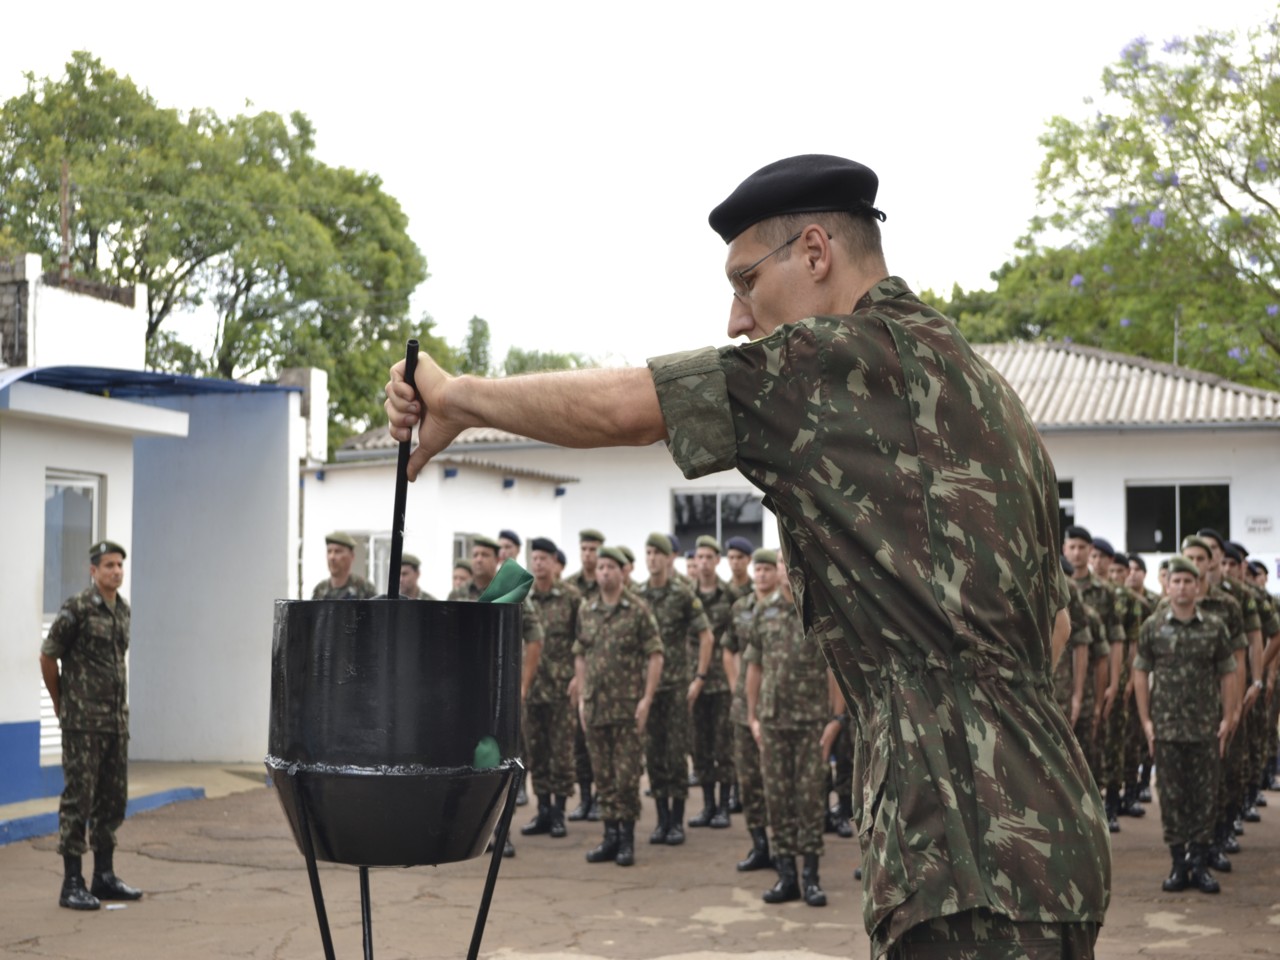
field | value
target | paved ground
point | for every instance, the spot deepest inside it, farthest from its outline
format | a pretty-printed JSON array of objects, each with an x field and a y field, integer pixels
[{"x": 224, "y": 879}]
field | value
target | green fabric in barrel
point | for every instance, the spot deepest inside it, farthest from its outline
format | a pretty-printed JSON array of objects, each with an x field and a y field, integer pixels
[{"x": 511, "y": 585}]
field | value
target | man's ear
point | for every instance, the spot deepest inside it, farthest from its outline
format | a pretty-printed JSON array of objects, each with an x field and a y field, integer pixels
[{"x": 815, "y": 245}]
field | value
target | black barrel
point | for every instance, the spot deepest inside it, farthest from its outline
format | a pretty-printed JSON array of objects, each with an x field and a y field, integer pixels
[{"x": 396, "y": 723}]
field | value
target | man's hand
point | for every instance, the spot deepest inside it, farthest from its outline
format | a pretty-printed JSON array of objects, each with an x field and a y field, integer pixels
[
  {"x": 1108, "y": 699},
  {"x": 695, "y": 688},
  {"x": 755, "y": 730},
  {"x": 829, "y": 734},
  {"x": 436, "y": 429},
  {"x": 1225, "y": 730},
  {"x": 1250, "y": 696},
  {"x": 1075, "y": 710},
  {"x": 1149, "y": 729},
  {"x": 573, "y": 693},
  {"x": 642, "y": 713}
]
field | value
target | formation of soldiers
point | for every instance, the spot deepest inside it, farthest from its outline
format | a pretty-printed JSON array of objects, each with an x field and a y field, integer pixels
[{"x": 1179, "y": 682}]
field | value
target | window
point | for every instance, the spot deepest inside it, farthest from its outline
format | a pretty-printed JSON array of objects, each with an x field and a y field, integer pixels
[
  {"x": 721, "y": 514},
  {"x": 1158, "y": 516},
  {"x": 1066, "y": 505}
]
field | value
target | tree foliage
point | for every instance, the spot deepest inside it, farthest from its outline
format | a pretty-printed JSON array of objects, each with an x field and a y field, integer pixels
[
  {"x": 474, "y": 356},
  {"x": 520, "y": 361},
  {"x": 1162, "y": 214}
]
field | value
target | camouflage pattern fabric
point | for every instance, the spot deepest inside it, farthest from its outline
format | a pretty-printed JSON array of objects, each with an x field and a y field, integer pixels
[
  {"x": 356, "y": 588},
  {"x": 734, "y": 640},
  {"x": 91, "y": 639},
  {"x": 666, "y": 744},
  {"x": 795, "y": 780},
  {"x": 718, "y": 608},
  {"x": 1187, "y": 785},
  {"x": 587, "y": 588},
  {"x": 1119, "y": 721},
  {"x": 468, "y": 591},
  {"x": 548, "y": 738},
  {"x": 616, "y": 643},
  {"x": 918, "y": 512},
  {"x": 679, "y": 613},
  {"x": 982, "y": 935},
  {"x": 95, "y": 769},
  {"x": 713, "y": 737},
  {"x": 617, "y": 756},
  {"x": 1081, "y": 636},
  {"x": 558, "y": 614},
  {"x": 1185, "y": 659},
  {"x": 582, "y": 771},
  {"x": 1101, "y": 596},
  {"x": 746, "y": 763}
]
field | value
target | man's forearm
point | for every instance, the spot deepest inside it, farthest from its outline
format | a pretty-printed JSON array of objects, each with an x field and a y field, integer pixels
[
  {"x": 706, "y": 644},
  {"x": 754, "y": 676},
  {"x": 1061, "y": 631},
  {"x": 52, "y": 680},
  {"x": 654, "y": 676},
  {"x": 1079, "y": 670}
]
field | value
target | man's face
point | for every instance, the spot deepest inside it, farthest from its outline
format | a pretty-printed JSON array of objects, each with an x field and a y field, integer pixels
[
  {"x": 706, "y": 562},
  {"x": 510, "y": 549},
  {"x": 1230, "y": 567},
  {"x": 544, "y": 566},
  {"x": 1136, "y": 578},
  {"x": 1076, "y": 550},
  {"x": 408, "y": 579},
  {"x": 340, "y": 558},
  {"x": 589, "y": 550},
  {"x": 1260, "y": 577},
  {"x": 1200, "y": 557},
  {"x": 656, "y": 562},
  {"x": 1099, "y": 563},
  {"x": 765, "y": 577},
  {"x": 739, "y": 562},
  {"x": 484, "y": 563},
  {"x": 1215, "y": 555},
  {"x": 1117, "y": 573},
  {"x": 1163, "y": 577},
  {"x": 609, "y": 575},
  {"x": 108, "y": 573},
  {"x": 1182, "y": 589},
  {"x": 461, "y": 577},
  {"x": 780, "y": 289}
]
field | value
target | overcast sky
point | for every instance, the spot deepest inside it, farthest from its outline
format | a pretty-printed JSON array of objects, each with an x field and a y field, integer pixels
[{"x": 557, "y": 161}]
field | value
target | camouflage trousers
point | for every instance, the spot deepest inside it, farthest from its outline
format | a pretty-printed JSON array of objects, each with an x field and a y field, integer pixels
[
  {"x": 95, "y": 770},
  {"x": 746, "y": 762},
  {"x": 1273, "y": 727},
  {"x": 617, "y": 759},
  {"x": 1136, "y": 752},
  {"x": 983, "y": 935},
  {"x": 1187, "y": 784},
  {"x": 1231, "y": 773},
  {"x": 713, "y": 738},
  {"x": 841, "y": 782},
  {"x": 667, "y": 745},
  {"x": 794, "y": 787},
  {"x": 1257, "y": 743},
  {"x": 1112, "y": 733},
  {"x": 548, "y": 735},
  {"x": 581, "y": 755}
]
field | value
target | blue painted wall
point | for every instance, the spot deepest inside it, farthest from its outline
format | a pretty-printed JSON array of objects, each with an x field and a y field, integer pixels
[{"x": 21, "y": 776}]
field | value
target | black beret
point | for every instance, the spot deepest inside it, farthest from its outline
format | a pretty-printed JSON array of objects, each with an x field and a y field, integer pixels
[
  {"x": 1120, "y": 558},
  {"x": 811, "y": 183},
  {"x": 561, "y": 558},
  {"x": 1211, "y": 534},
  {"x": 509, "y": 535},
  {"x": 1232, "y": 552},
  {"x": 1238, "y": 546},
  {"x": 1142, "y": 564},
  {"x": 741, "y": 544},
  {"x": 675, "y": 542},
  {"x": 543, "y": 545},
  {"x": 1104, "y": 546},
  {"x": 1078, "y": 533}
]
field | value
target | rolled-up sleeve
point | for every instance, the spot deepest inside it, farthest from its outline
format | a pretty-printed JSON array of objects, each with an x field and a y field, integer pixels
[{"x": 695, "y": 407}]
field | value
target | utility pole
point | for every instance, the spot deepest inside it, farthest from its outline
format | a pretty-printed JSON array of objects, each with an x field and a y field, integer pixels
[{"x": 64, "y": 209}]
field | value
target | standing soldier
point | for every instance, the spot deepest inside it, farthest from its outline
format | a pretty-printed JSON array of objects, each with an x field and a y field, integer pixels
[
  {"x": 712, "y": 731},
  {"x": 584, "y": 581},
  {"x": 617, "y": 667},
  {"x": 738, "y": 552},
  {"x": 549, "y": 721},
  {"x": 1136, "y": 739},
  {"x": 788, "y": 705},
  {"x": 90, "y": 696},
  {"x": 1071, "y": 689},
  {"x": 340, "y": 552},
  {"x": 1186, "y": 719},
  {"x": 679, "y": 614},
  {"x": 410, "y": 567}
]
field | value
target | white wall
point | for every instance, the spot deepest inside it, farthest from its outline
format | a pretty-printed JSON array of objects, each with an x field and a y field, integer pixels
[
  {"x": 216, "y": 532},
  {"x": 28, "y": 447},
  {"x": 77, "y": 329}
]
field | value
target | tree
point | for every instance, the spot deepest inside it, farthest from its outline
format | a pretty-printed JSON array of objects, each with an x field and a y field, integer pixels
[
  {"x": 530, "y": 361},
  {"x": 474, "y": 357},
  {"x": 1167, "y": 196}
]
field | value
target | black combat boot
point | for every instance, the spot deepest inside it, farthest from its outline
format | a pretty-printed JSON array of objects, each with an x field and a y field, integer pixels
[
  {"x": 541, "y": 822},
  {"x": 663, "y": 806},
  {"x": 1144, "y": 784},
  {"x": 607, "y": 848},
  {"x": 720, "y": 819},
  {"x": 675, "y": 826},
  {"x": 703, "y": 819},
  {"x": 1177, "y": 881},
  {"x": 593, "y": 814},
  {"x": 1198, "y": 874},
  {"x": 1129, "y": 805},
  {"x": 844, "y": 814},
  {"x": 626, "y": 843},
  {"x": 1259, "y": 798},
  {"x": 557, "y": 829},
  {"x": 758, "y": 855},
  {"x": 584, "y": 802},
  {"x": 787, "y": 887},
  {"x": 735, "y": 799},
  {"x": 1249, "y": 814},
  {"x": 521, "y": 797},
  {"x": 106, "y": 885},
  {"x": 809, "y": 884},
  {"x": 1227, "y": 837},
  {"x": 74, "y": 896},
  {"x": 1112, "y": 806}
]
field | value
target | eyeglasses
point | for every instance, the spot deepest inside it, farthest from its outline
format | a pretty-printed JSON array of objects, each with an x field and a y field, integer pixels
[{"x": 738, "y": 279}]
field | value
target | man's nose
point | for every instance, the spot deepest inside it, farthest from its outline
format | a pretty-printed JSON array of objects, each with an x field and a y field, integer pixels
[{"x": 741, "y": 320}]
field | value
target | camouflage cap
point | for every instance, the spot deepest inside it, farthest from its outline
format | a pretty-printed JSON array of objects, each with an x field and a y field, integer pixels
[
  {"x": 105, "y": 546},
  {"x": 614, "y": 554},
  {"x": 479, "y": 540},
  {"x": 710, "y": 542},
  {"x": 591, "y": 533},
  {"x": 765, "y": 555},
  {"x": 462, "y": 563},
  {"x": 341, "y": 539},
  {"x": 810, "y": 183},
  {"x": 660, "y": 542},
  {"x": 1183, "y": 565},
  {"x": 741, "y": 544},
  {"x": 409, "y": 560},
  {"x": 1197, "y": 541},
  {"x": 628, "y": 553}
]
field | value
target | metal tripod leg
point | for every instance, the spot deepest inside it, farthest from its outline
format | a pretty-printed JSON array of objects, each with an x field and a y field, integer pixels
[
  {"x": 495, "y": 861},
  {"x": 366, "y": 914},
  {"x": 308, "y": 851}
]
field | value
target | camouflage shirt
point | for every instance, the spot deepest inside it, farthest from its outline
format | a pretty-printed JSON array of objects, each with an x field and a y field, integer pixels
[
  {"x": 735, "y": 639},
  {"x": 1101, "y": 596},
  {"x": 1064, "y": 673},
  {"x": 558, "y": 614},
  {"x": 530, "y": 619},
  {"x": 718, "y": 606},
  {"x": 679, "y": 613},
  {"x": 793, "y": 681},
  {"x": 1185, "y": 659},
  {"x": 579, "y": 581},
  {"x": 918, "y": 511},
  {"x": 356, "y": 588},
  {"x": 616, "y": 643},
  {"x": 91, "y": 639}
]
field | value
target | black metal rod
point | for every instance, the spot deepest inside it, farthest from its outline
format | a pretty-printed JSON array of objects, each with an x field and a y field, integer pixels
[
  {"x": 402, "y": 482},
  {"x": 308, "y": 851},
  {"x": 499, "y": 842},
  {"x": 366, "y": 914}
]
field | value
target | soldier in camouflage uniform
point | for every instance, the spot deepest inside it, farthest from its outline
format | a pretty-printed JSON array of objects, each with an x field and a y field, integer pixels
[
  {"x": 1071, "y": 689},
  {"x": 738, "y": 551},
  {"x": 549, "y": 720},
  {"x": 410, "y": 568},
  {"x": 1139, "y": 756},
  {"x": 918, "y": 508},
  {"x": 679, "y": 613},
  {"x": 618, "y": 661},
  {"x": 1186, "y": 719},
  {"x": 1124, "y": 771},
  {"x": 584, "y": 581},
  {"x": 342, "y": 584},
  {"x": 712, "y": 730},
  {"x": 461, "y": 574},
  {"x": 746, "y": 752},
  {"x": 90, "y": 696},
  {"x": 788, "y": 704}
]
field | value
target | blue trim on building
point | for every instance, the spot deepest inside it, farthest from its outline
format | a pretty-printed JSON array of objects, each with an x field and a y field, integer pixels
[
  {"x": 24, "y": 778},
  {"x": 42, "y": 824}
]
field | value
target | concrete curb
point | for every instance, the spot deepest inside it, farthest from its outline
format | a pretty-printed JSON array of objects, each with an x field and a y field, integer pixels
[{"x": 43, "y": 824}]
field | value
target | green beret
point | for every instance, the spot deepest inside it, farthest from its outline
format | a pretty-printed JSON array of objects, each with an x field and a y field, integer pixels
[
  {"x": 1183, "y": 565},
  {"x": 105, "y": 546},
  {"x": 711, "y": 542},
  {"x": 628, "y": 553},
  {"x": 590, "y": 534},
  {"x": 660, "y": 542},
  {"x": 614, "y": 554},
  {"x": 482, "y": 541},
  {"x": 765, "y": 555},
  {"x": 1194, "y": 541},
  {"x": 462, "y": 563},
  {"x": 410, "y": 560},
  {"x": 341, "y": 539},
  {"x": 812, "y": 183}
]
